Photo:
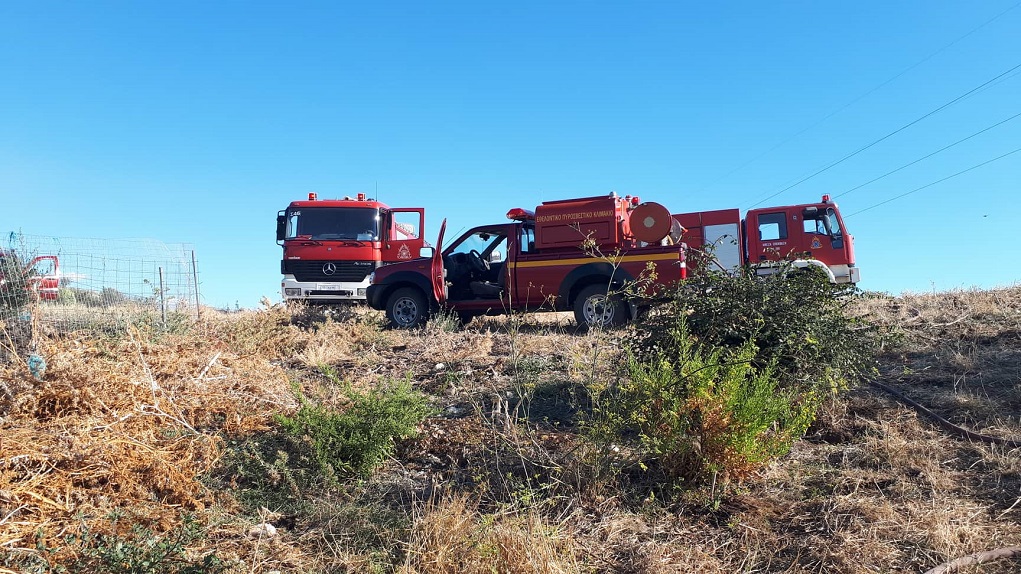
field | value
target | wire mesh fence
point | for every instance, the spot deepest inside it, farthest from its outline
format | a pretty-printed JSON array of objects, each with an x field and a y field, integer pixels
[{"x": 68, "y": 284}]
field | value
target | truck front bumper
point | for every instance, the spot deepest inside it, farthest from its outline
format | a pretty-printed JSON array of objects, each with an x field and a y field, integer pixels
[{"x": 335, "y": 292}]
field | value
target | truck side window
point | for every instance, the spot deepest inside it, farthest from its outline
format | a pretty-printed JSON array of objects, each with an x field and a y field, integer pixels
[
  {"x": 816, "y": 226},
  {"x": 772, "y": 226},
  {"x": 406, "y": 225},
  {"x": 527, "y": 243}
]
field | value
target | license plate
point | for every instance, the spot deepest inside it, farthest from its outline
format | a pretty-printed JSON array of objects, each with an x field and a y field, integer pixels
[{"x": 328, "y": 287}]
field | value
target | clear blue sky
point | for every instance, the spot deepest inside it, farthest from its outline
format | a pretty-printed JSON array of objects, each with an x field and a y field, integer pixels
[{"x": 197, "y": 121}]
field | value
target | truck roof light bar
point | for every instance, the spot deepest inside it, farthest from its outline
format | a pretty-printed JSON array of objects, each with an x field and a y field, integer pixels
[
  {"x": 826, "y": 198},
  {"x": 361, "y": 197},
  {"x": 312, "y": 196},
  {"x": 520, "y": 214}
]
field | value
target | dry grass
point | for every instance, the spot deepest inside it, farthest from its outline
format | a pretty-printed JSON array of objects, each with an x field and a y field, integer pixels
[{"x": 135, "y": 425}]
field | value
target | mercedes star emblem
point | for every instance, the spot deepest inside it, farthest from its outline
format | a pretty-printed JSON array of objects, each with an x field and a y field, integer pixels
[{"x": 329, "y": 269}]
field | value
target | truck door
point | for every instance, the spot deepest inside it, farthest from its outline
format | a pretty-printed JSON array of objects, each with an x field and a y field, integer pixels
[
  {"x": 822, "y": 236},
  {"x": 436, "y": 271},
  {"x": 404, "y": 236},
  {"x": 533, "y": 284},
  {"x": 769, "y": 235}
]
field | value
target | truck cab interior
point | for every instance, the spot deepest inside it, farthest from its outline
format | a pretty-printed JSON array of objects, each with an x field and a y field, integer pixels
[{"x": 475, "y": 264}]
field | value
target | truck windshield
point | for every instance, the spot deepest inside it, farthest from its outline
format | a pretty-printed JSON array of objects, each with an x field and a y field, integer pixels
[{"x": 333, "y": 223}]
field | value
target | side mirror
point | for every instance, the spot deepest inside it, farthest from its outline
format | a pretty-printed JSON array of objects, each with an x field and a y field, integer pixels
[
  {"x": 426, "y": 252},
  {"x": 281, "y": 226}
]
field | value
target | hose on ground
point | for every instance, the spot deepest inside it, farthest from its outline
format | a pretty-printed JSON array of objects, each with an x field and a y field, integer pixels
[{"x": 944, "y": 423}]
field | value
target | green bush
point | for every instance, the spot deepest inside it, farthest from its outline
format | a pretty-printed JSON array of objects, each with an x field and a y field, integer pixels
[
  {"x": 727, "y": 374},
  {"x": 795, "y": 318},
  {"x": 144, "y": 552},
  {"x": 15, "y": 285},
  {"x": 356, "y": 440},
  {"x": 690, "y": 415}
]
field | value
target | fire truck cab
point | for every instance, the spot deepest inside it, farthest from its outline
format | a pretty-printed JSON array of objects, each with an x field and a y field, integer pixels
[
  {"x": 572, "y": 255},
  {"x": 331, "y": 246},
  {"x": 808, "y": 236}
]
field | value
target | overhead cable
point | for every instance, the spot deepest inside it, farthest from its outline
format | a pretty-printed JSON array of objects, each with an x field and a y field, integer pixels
[
  {"x": 859, "y": 98},
  {"x": 934, "y": 183},
  {"x": 944, "y": 148},
  {"x": 889, "y": 135}
]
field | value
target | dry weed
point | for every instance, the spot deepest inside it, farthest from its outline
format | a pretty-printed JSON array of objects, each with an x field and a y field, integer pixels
[{"x": 453, "y": 536}]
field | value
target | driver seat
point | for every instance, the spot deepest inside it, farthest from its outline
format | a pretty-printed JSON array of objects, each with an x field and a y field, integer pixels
[{"x": 488, "y": 289}]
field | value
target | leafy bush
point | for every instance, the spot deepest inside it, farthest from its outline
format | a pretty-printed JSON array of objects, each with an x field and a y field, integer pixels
[
  {"x": 689, "y": 415},
  {"x": 796, "y": 319},
  {"x": 143, "y": 552},
  {"x": 15, "y": 284},
  {"x": 357, "y": 440},
  {"x": 725, "y": 376}
]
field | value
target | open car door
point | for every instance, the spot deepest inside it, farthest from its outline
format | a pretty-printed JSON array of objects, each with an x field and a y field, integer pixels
[{"x": 436, "y": 271}]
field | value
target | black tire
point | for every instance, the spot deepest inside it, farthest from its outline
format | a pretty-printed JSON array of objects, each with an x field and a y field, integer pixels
[
  {"x": 406, "y": 308},
  {"x": 594, "y": 307}
]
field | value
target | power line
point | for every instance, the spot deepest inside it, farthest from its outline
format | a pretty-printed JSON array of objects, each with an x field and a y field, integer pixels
[
  {"x": 889, "y": 135},
  {"x": 933, "y": 183},
  {"x": 944, "y": 148},
  {"x": 858, "y": 99}
]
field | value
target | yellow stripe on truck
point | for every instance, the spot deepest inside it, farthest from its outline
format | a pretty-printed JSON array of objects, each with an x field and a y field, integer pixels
[{"x": 584, "y": 260}]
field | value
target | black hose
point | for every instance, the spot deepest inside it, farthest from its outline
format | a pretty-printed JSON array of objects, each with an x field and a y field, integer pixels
[{"x": 944, "y": 423}]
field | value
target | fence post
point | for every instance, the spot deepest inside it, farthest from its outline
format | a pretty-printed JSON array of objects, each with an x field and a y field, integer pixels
[
  {"x": 195, "y": 281},
  {"x": 163, "y": 298}
]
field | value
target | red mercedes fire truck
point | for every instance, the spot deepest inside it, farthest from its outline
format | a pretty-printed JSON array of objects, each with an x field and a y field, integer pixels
[
  {"x": 331, "y": 246},
  {"x": 598, "y": 256},
  {"x": 810, "y": 235}
]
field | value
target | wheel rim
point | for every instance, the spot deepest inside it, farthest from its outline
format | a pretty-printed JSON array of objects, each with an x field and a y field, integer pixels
[
  {"x": 598, "y": 310},
  {"x": 405, "y": 311}
]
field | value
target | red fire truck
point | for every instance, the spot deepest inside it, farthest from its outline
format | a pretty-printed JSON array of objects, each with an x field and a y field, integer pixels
[
  {"x": 575, "y": 254},
  {"x": 809, "y": 236},
  {"x": 331, "y": 246}
]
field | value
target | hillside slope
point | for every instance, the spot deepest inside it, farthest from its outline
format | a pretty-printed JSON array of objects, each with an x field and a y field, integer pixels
[{"x": 161, "y": 449}]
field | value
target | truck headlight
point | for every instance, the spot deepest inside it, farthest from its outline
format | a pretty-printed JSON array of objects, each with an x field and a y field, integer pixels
[{"x": 361, "y": 291}]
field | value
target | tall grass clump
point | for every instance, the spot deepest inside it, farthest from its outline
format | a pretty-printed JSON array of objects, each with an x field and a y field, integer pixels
[{"x": 722, "y": 379}]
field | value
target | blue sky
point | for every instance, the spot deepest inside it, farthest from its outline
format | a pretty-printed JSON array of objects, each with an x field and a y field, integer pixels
[{"x": 197, "y": 121}]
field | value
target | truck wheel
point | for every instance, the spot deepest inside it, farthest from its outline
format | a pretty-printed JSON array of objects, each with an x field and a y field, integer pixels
[
  {"x": 406, "y": 308},
  {"x": 594, "y": 307}
]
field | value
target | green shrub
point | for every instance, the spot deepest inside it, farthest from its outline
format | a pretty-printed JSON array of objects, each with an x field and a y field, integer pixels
[
  {"x": 796, "y": 319},
  {"x": 141, "y": 551},
  {"x": 15, "y": 285},
  {"x": 727, "y": 374},
  {"x": 690, "y": 415},
  {"x": 356, "y": 440}
]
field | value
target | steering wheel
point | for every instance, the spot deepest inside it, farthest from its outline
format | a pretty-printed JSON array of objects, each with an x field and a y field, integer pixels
[{"x": 476, "y": 262}]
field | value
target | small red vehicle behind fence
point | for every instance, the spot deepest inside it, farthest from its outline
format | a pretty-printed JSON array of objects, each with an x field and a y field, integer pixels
[{"x": 41, "y": 275}]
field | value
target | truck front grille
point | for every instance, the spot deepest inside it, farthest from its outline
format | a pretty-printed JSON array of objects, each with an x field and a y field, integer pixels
[{"x": 353, "y": 271}]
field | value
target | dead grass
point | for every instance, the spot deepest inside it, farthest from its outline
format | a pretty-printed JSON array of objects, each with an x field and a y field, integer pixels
[{"x": 136, "y": 424}]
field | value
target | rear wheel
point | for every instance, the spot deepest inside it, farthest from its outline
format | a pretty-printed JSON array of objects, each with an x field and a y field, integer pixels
[
  {"x": 595, "y": 307},
  {"x": 406, "y": 308}
]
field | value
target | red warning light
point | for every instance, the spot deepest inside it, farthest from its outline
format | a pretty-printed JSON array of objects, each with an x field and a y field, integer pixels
[
  {"x": 826, "y": 198},
  {"x": 361, "y": 197},
  {"x": 312, "y": 197},
  {"x": 635, "y": 200}
]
